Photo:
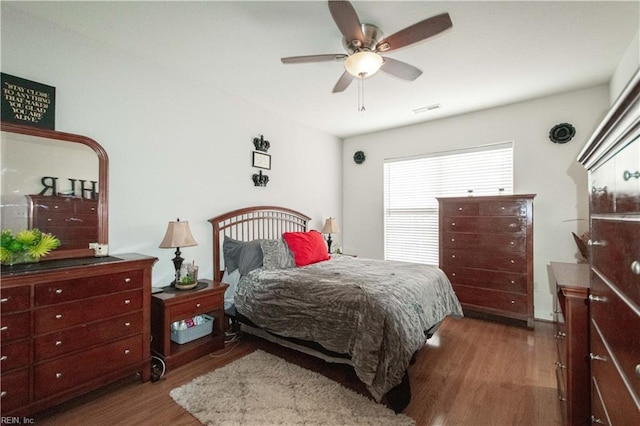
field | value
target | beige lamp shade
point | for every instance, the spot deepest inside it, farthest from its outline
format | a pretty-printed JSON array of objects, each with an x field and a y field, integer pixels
[
  {"x": 330, "y": 226},
  {"x": 178, "y": 235}
]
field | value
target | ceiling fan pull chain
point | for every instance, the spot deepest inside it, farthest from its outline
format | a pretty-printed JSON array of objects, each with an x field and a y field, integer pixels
[{"x": 361, "y": 107}]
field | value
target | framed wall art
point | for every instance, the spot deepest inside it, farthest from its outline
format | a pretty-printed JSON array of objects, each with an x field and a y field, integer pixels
[{"x": 261, "y": 160}]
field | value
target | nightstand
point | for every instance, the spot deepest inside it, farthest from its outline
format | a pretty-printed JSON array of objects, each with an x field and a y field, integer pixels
[{"x": 175, "y": 305}]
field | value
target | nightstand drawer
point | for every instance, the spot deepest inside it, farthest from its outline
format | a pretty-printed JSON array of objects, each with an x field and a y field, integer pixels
[
  {"x": 55, "y": 318},
  {"x": 196, "y": 306},
  {"x": 69, "y": 290}
]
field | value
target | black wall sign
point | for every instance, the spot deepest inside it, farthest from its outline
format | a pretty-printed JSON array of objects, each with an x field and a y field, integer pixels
[{"x": 28, "y": 103}]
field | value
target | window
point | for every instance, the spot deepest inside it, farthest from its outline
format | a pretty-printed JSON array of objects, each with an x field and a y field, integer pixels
[{"x": 411, "y": 186}]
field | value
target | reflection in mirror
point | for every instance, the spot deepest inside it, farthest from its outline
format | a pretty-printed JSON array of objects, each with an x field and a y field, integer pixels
[{"x": 56, "y": 182}]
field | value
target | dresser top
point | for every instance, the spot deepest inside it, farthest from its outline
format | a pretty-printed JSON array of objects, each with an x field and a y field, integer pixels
[
  {"x": 54, "y": 265},
  {"x": 574, "y": 275},
  {"x": 489, "y": 197}
]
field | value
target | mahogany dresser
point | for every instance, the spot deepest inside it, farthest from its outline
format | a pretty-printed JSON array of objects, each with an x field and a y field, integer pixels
[
  {"x": 486, "y": 250},
  {"x": 612, "y": 158},
  {"x": 571, "y": 316},
  {"x": 71, "y": 326}
]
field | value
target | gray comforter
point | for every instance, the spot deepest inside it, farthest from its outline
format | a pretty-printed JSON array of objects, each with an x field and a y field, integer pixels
[{"x": 376, "y": 311}]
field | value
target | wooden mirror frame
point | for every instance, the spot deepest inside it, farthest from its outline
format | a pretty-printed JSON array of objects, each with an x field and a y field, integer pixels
[{"x": 103, "y": 183}]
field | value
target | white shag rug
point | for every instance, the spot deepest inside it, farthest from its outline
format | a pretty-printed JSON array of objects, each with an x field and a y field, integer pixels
[{"x": 261, "y": 389}]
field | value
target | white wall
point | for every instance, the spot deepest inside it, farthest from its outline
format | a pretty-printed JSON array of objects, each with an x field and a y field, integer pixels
[
  {"x": 629, "y": 64},
  {"x": 177, "y": 147},
  {"x": 540, "y": 167}
]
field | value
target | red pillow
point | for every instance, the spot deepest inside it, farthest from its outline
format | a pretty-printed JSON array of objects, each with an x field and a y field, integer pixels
[{"x": 307, "y": 247}]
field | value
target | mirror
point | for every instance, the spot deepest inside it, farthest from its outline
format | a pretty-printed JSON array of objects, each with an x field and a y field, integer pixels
[{"x": 56, "y": 182}]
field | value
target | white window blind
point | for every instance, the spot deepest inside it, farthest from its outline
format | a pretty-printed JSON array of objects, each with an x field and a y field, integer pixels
[{"x": 411, "y": 186}]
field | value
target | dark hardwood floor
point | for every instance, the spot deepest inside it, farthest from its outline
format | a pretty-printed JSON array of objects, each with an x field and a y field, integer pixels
[{"x": 472, "y": 372}]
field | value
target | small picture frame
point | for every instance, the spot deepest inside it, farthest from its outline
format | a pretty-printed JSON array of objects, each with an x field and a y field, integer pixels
[{"x": 261, "y": 160}]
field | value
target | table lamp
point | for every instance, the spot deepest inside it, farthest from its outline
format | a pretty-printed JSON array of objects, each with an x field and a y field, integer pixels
[
  {"x": 330, "y": 227},
  {"x": 178, "y": 235}
]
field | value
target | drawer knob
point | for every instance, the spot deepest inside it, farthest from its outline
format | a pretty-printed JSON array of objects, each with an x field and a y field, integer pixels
[
  {"x": 635, "y": 267},
  {"x": 58, "y": 291},
  {"x": 3, "y": 394},
  {"x": 512, "y": 281},
  {"x": 513, "y": 225},
  {"x": 562, "y": 398},
  {"x": 512, "y": 261},
  {"x": 560, "y": 335},
  {"x": 4, "y": 300},
  {"x": 127, "y": 324},
  {"x": 594, "y": 357},
  {"x": 58, "y": 342},
  {"x": 459, "y": 208},
  {"x": 3, "y": 358},
  {"x": 127, "y": 301},
  {"x": 453, "y": 274},
  {"x": 197, "y": 305},
  {"x": 127, "y": 351},
  {"x": 597, "y": 421},
  {"x": 637, "y": 369},
  {"x": 592, "y": 243},
  {"x": 597, "y": 298},
  {"x": 127, "y": 280},
  {"x": 513, "y": 302},
  {"x": 512, "y": 243},
  {"x": 598, "y": 189},
  {"x": 4, "y": 328},
  {"x": 560, "y": 365},
  {"x": 628, "y": 175},
  {"x": 453, "y": 224},
  {"x": 58, "y": 316},
  {"x": 453, "y": 239},
  {"x": 58, "y": 375}
]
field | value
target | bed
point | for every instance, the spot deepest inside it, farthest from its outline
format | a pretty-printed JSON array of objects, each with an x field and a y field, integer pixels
[{"x": 371, "y": 314}]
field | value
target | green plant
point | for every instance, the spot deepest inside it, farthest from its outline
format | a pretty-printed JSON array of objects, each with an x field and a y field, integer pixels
[
  {"x": 187, "y": 279},
  {"x": 31, "y": 243}
]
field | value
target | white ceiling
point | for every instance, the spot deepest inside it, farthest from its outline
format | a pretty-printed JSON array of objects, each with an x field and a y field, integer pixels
[{"x": 496, "y": 53}]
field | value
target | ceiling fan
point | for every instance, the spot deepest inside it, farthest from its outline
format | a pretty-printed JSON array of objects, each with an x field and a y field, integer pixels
[{"x": 365, "y": 42}]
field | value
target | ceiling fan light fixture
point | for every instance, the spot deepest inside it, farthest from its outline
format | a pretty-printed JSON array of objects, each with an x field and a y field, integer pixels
[{"x": 363, "y": 64}]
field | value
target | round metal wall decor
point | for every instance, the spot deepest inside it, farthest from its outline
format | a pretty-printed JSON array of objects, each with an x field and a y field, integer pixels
[
  {"x": 562, "y": 133},
  {"x": 359, "y": 157}
]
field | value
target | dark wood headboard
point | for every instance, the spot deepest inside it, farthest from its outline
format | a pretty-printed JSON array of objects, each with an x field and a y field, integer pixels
[{"x": 252, "y": 223}]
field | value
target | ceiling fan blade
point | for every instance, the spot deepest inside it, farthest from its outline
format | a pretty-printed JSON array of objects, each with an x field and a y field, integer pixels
[
  {"x": 400, "y": 69},
  {"x": 346, "y": 19},
  {"x": 415, "y": 33},
  {"x": 343, "y": 82},
  {"x": 313, "y": 58}
]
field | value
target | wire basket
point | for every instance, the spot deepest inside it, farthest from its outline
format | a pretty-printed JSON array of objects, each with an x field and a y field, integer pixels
[{"x": 193, "y": 333}]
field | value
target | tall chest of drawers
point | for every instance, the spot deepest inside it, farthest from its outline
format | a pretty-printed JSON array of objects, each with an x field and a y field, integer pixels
[
  {"x": 612, "y": 158},
  {"x": 486, "y": 250},
  {"x": 71, "y": 326}
]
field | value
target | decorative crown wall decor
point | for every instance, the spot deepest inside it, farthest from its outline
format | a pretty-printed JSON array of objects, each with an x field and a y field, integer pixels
[
  {"x": 261, "y": 144},
  {"x": 259, "y": 179},
  {"x": 261, "y": 160}
]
